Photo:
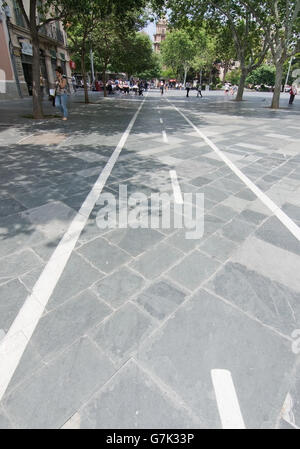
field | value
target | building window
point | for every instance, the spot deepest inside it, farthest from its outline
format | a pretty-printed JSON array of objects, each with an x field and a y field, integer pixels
[{"x": 18, "y": 14}]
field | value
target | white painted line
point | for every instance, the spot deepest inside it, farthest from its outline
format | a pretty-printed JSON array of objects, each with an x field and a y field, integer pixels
[
  {"x": 161, "y": 120},
  {"x": 287, "y": 411},
  {"x": 285, "y": 219},
  {"x": 165, "y": 137},
  {"x": 249, "y": 145},
  {"x": 14, "y": 343},
  {"x": 24, "y": 138},
  {"x": 176, "y": 187},
  {"x": 278, "y": 136},
  {"x": 293, "y": 127},
  {"x": 227, "y": 401}
]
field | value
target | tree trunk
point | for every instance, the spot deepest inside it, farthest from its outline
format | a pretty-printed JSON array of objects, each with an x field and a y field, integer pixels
[
  {"x": 185, "y": 75},
  {"x": 226, "y": 67},
  {"x": 36, "y": 90},
  {"x": 277, "y": 88},
  {"x": 86, "y": 94},
  {"x": 240, "y": 92},
  {"x": 200, "y": 79},
  {"x": 104, "y": 82}
]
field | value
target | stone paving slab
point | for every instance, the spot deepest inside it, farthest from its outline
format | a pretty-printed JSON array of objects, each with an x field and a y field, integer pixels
[
  {"x": 270, "y": 302},
  {"x": 103, "y": 255},
  {"x": 193, "y": 270},
  {"x": 59, "y": 328},
  {"x": 123, "y": 404},
  {"x": 17, "y": 264},
  {"x": 208, "y": 334},
  {"x": 4, "y": 421},
  {"x": 17, "y": 233},
  {"x": 122, "y": 333},
  {"x": 157, "y": 260},
  {"x": 273, "y": 231},
  {"x": 269, "y": 260},
  {"x": 65, "y": 384},
  {"x": 12, "y": 296},
  {"x": 78, "y": 275},
  {"x": 129, "y": 289},
  {"x": 118, "y": 287},
  {"x": 161, "y": 299}
]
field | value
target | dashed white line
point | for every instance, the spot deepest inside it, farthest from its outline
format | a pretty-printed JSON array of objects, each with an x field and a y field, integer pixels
[
  {"x": 161, "y": 120},
  {"x": 227, "y": 401},
  {"x": 14, "y": 343},
  {"x": 285, "y": 219},
  {"x": 176, "y": 187},
  {"x": 165, "y": 137}
]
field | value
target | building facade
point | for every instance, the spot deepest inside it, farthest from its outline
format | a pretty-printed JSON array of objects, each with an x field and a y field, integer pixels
[
  {"x": 16, "y": 52},
  {"x": 160, "y": 35}
]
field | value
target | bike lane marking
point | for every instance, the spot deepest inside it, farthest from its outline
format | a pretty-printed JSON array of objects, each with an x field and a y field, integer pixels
[
  {"x": 282, "y": 216},
  {"x": 227, "y": 401}
]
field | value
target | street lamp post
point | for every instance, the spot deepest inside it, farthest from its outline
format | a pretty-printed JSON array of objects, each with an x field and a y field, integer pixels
[
  {"x": 288, "y": 73},
  {"x": 92, "y": 68}
]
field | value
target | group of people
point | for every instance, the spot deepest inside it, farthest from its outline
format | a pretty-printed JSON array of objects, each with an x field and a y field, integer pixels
[
  {"x": 59, "y": 94},
  {"x": 230, "y": 88},
  {"x": 124, "y": 86},
  {"x": 164, "y": 87}
]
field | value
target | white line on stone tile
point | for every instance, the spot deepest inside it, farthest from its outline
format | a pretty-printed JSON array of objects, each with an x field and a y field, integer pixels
[
  {"x": 278, "y": 136},
  {"x": 227, "y": 401},
  {"x": 285, "y": 219},
  {"x": 13, "y": 345},
  {"x": 287, "y": 413},
  {"x": 176, "y": 187},
  {"x": 249, "y": 145},
  {"x": 165, "y": 137}
]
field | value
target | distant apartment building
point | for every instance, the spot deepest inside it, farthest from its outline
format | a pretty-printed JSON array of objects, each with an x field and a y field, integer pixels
[
  {"x": 16, "y": 52},
  {"x": 160, "y": 35}
]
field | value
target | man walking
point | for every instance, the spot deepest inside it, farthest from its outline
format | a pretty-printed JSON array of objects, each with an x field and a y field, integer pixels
[
  {"x": 199, "y": 93},
  {"x": 293, "y": 93},
  {"x": 162, "y": 86},
  {"x": 188, "y": 88}
]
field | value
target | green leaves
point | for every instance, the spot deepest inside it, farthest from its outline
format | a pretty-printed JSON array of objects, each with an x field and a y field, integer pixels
[{"x": 178, "y": 50}]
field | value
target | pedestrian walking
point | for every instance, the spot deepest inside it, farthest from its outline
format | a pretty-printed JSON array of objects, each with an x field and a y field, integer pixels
[
  {"x": 74, "y": 84},
  {"x": 199, "y": 93},
  {"x": 109, "y": 87},
  {"x": 293, "y": 93},
  {"x": 227, "y": 87},
  {"x": 188, "y": 88},
  {"x": 61, "y": 92},
  {"x": 162, "y": 86},
  {"x": 141, "y": 88},
  {"x": 126, "y": 87},
  {"x": 233, "y": 90}
]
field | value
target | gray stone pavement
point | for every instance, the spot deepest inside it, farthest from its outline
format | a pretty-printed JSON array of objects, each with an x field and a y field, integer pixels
[{"x": 140, "y": 317}]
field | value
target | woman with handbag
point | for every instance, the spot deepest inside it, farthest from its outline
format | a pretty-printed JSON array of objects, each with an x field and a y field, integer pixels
[
  {"x": 61, "y": 92},
  {"x": 293, "y": 92}
]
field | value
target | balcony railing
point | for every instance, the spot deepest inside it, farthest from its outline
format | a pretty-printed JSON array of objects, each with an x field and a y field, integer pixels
[{"x": 53, "y": 33}]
